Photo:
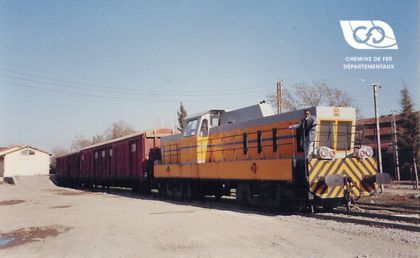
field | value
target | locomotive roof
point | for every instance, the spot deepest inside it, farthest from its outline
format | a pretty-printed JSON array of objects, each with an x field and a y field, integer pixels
[{"x": 205, "y": 112}]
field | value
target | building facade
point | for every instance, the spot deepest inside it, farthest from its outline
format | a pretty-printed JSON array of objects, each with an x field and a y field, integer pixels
[
  {"x": 389, "y": 125},
  {"x": 23, "y": 161}
]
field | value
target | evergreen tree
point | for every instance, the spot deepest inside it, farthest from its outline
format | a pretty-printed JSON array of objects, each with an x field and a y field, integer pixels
[
  {"x": 182, "y": 114},
  {"x": 408, "y": 137}
]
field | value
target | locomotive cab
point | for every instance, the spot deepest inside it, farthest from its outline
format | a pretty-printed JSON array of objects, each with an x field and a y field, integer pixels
[{"x": 200, "y": 124}]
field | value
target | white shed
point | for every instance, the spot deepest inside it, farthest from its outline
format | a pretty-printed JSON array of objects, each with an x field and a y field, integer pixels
[{"x": 23, "y": 161}]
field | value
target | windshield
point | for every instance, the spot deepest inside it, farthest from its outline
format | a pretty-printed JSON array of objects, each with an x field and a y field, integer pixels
[
  {"x": 326, "y": 135},
  {"x": 190, "y": 128}
]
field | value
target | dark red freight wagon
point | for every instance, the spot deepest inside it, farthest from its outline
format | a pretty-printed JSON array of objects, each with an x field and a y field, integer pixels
[
  {"x": 61, "y": 173},
  {"x": 122, "y": 161},
  {"x": 68, "y": 170},
  {"x": 74, "y": 168},
  {"x": 86, "y": 167}
]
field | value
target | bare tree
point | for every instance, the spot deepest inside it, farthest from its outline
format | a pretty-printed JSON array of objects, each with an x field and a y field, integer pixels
[
  {"x": 98, "y": 138},
  {"x": 115, "y": 130},
  {"x": 57, "y": 151},
  {"x": 118, "y": 129},
  {"x": 303, "y": 95},
  {"x": 79, "y": 142}
]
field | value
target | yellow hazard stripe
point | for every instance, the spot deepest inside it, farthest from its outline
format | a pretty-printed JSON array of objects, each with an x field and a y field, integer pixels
[{"x": 351, "y": 167}]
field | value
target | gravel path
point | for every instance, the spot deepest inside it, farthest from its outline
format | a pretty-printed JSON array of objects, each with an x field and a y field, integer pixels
[{"x": 38, "y": 219}]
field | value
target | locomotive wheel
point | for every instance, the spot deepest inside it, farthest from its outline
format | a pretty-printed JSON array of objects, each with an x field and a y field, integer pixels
[
  {"x": 162, "y": 189},
  {"x": 186, "y": 191},
  {"x": 243, "y": 193},
  {"x": 196, "y": 194},
  {"x": 168, "y": 190}
]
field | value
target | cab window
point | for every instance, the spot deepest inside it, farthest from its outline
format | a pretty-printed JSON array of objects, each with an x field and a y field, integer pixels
[
  {"x": 344, "y": 135},
  {"x": 214, "y": 120},
  {"x": 191, "y": 128},
  {"x": 326, "y": 134}
]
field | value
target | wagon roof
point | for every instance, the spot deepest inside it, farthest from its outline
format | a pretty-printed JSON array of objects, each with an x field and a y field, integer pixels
[{"x": 148, "y": 133}]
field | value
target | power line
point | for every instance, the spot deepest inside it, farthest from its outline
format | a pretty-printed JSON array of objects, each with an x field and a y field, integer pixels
[
  {"x": 123, "y": 91},
  {"x": 126, "y": 89},
  {"x": 113, "y": 97}
]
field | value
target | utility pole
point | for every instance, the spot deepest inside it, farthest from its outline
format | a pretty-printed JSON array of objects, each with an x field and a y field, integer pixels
[
  {"x": 395, "y": 146},
  {"x": 280, "y": 91},
  {"x": 378, "y": 133},
  {"x": 416, "y": 175}
]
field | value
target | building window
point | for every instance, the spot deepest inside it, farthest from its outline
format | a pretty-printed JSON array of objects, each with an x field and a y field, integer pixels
[{"x": 27, "y": 152}]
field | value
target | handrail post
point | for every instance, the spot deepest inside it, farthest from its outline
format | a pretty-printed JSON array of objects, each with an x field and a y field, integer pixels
[{"x": 234, "y": 148}]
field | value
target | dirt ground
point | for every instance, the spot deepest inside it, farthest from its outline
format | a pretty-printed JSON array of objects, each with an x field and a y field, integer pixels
[
  {"x": 397, "y": 195},
  {"x": 39, "y": 219}
]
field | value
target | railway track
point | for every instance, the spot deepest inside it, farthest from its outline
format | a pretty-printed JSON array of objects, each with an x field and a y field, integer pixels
[
  {"x": 399, "y": 220},
  {"x": 374, "y": 220},
  {"x": 391, "y": 208},
  {"x": 409, "y": 218}
]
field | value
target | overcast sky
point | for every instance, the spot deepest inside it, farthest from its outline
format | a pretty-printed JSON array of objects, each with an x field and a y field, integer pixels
[{"x": 74, "y": 67}]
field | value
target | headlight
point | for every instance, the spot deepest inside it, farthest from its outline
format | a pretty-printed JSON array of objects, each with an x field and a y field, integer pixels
[
  {"x": 369, "y": 151},
  {"x": 363, "y": 153},
  {"x": 325, "y": 153}
]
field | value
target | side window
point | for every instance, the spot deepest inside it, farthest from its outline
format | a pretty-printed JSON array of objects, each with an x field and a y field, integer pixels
[
  {"x": 110, "y": 152},
  {"x": 191, "y": 128},
  {"x": 133, "y": 147},
  {"x": 204, "y": 130},
  {"x": 214, "y": 120}
]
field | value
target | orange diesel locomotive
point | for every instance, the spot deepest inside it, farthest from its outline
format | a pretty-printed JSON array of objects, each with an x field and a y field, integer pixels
[{"x": 255, "y": 152}]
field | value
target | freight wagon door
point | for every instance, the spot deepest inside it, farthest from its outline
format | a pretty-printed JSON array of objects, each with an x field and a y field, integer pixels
[
  {"x": 133, "y": 158},
  {"x": 96, "y": 167}
]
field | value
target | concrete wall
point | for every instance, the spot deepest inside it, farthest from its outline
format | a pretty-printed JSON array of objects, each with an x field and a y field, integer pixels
[{"x": 19, "y": 163}]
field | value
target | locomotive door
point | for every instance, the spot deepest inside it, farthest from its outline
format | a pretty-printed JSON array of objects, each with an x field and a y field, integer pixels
[
  {"x": 202, "y": 139},
  {"x": 133, "y": 159}
]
